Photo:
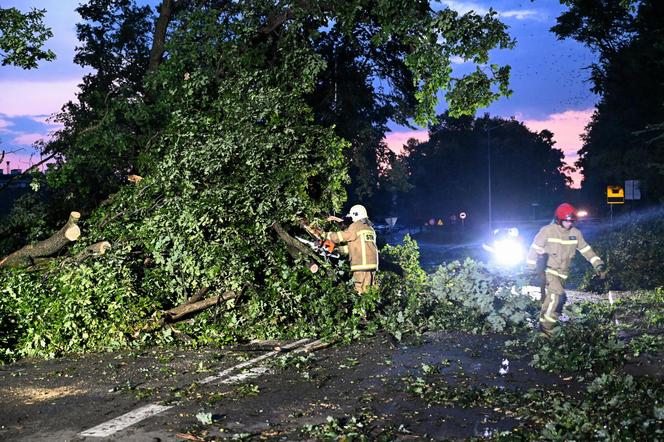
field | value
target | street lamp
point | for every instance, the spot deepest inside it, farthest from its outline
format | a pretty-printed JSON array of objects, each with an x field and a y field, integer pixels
[{"x": 488, "y": 154}]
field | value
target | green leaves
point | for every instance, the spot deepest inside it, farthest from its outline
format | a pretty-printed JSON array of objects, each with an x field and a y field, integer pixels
[
  {"x": 489, "y": 299},
  {"x": 235, "y": 130},
  {"x": 22, "y": 37}
]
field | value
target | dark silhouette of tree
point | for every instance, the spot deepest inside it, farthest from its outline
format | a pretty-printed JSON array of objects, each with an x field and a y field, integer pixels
[
  {"x": 449, "y": 172},
  {"x": 627, "y": 37}
]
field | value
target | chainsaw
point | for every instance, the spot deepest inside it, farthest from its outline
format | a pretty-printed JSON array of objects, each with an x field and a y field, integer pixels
[{"x": 323, "y": 248}]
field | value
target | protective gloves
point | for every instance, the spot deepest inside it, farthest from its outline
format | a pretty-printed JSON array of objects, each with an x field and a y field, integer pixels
[
  {"x": 601, "y": 271},
  {"x": 535, "y": 277}
]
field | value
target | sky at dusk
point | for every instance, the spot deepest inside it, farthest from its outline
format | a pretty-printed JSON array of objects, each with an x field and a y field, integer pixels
[{"x": 549, "y": 78}]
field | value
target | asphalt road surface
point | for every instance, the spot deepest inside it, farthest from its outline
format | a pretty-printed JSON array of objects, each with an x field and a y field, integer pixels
[{"x": 169, "y": 395}]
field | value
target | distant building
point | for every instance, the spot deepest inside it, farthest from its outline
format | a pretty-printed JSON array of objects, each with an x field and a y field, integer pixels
[{"x": 12, "y": 188}]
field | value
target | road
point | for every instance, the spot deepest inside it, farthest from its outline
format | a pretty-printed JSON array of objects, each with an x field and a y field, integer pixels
[{"x": 275, "y": 398}]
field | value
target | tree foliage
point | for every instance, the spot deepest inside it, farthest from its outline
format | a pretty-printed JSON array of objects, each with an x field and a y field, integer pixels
[
  {"x": 633, "y": 250},
  {"x": 229, "y": 137},
  {"x": 116, "y": 124},
  {"x": 107, "y": 132},
  {"x": 22, "y": 36}
]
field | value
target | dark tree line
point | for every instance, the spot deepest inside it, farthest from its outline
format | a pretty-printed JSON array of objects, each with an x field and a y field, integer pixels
[
  {"x": 449, "y": 173},
  {"x": 624, "y": 139}
]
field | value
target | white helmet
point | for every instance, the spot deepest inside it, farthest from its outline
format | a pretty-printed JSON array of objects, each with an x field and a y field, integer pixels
[{"x": 358, "y": 212}]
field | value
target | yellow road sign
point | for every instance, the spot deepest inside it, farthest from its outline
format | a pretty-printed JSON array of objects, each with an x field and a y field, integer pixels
[{"x": 615, "y": 195}]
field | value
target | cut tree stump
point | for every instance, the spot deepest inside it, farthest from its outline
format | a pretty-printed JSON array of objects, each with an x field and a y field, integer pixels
[
  {"x": 50, "y": 246},
  {"x": 96, "y": 249}
]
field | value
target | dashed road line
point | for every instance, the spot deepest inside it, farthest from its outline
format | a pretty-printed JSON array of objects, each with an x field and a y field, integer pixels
[
  {"x": 126, "y": 420},
  {"x": 112, "y": 426}
]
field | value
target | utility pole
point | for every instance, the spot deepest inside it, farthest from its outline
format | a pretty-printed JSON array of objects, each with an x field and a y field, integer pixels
[{"x": 488, "y": 155}]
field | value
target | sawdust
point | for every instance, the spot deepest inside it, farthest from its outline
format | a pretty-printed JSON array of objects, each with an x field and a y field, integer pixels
[{"x": 34, "y": 395}]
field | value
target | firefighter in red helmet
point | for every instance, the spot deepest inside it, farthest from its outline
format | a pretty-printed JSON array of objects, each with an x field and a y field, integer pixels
[{"x": 554, "y": 247}]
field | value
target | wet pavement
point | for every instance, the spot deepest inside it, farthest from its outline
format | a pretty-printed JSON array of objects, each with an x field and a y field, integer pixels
[{"x": 274, "y": 399}]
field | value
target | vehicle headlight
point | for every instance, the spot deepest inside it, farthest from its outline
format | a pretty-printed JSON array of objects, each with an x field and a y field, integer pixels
[{"x": 508, "y": 252}]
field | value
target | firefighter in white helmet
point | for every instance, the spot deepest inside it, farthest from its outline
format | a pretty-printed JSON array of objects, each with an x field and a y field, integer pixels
[{"x": 361, "y": 239}]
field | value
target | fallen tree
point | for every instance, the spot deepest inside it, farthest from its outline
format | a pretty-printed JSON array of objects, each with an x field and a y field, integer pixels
[
  {"x": 230, "y": 146},
  {"x": 297, "y": 250}
]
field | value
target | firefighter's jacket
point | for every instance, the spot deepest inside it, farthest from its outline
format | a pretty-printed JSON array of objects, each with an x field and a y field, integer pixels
[
  {"x": 560, "y": 245},
  {"x": 361, "y": 239}
]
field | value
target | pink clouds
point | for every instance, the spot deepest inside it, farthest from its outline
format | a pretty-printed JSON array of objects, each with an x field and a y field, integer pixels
[
  {"x": 396, "y": 140},
  {"x": 567, "y": 128},
  {"x": 28, "y": 138},
  {"x": 35, "y": 97}
]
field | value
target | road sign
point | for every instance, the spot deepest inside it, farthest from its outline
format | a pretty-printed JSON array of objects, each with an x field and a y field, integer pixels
[
  {"x": 391, "y": 221},
  {"x": 462, "y": 215},
  {"x": 632, "y": 189},
  {"x": 615, "y": 195}
]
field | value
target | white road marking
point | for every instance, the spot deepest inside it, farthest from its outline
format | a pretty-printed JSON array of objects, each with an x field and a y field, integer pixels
[
  {"x": 250, "y": 362},
  {"x": 128, "y": 419},
  {"x": 248, "y": 374},
  {"x": 124, "y": 421}
]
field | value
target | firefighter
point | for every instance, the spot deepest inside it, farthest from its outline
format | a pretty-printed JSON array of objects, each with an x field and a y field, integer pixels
[
  {"x": 361, "y": 240},
  {"x": 553, "y": 249}
]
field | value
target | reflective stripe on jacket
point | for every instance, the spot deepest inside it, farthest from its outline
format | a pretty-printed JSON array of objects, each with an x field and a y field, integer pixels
[
  {"x": 560, "y": 245},
  {"x": 361, "y": 239}
]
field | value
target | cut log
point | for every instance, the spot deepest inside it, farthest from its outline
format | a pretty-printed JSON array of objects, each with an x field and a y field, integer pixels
[
  {"x": 96, "y": 249},
  {"x": 50, "y": 246}
]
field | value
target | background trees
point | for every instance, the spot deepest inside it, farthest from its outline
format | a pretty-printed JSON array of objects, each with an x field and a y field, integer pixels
[
  {"x": 620, "y": 142},
  {"x": 449, "y": 173}
]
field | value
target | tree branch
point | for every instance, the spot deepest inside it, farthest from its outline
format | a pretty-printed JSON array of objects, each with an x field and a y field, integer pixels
[
  {"x": 297, "y": 250},
  {"x": 159, "y": 38}
]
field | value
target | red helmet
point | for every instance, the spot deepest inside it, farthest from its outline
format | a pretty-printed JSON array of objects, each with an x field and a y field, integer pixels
[{"x": 565, "y": 212}]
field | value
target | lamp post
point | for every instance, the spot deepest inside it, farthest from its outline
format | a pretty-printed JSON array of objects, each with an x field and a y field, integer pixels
[{"x": 488, "y": 154}]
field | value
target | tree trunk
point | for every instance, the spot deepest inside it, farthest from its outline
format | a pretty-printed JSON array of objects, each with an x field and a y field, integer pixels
[
  {"x": 159, "y": 38},
  {"x": 50, "y": 246}
]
